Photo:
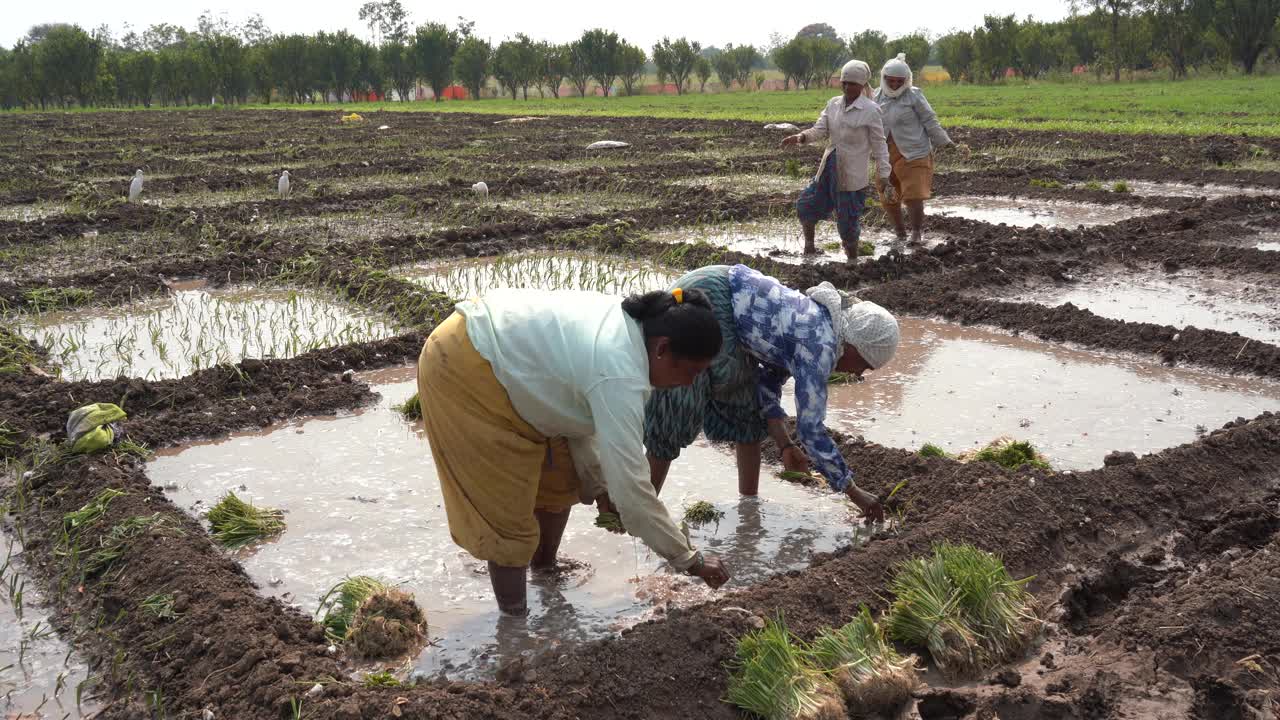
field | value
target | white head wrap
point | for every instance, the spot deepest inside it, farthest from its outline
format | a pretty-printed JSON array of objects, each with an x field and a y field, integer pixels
[
  {"x": 897, "y": 67},
  {"x": 855, "y": 71},
  {"x": 869, "y": 328}
]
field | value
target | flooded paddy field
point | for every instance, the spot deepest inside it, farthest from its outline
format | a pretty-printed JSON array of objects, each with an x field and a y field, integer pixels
[{"x": 260, "y": 346}]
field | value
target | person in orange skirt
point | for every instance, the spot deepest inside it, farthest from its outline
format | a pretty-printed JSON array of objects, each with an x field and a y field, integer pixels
[{"x": 913, "y": 132}]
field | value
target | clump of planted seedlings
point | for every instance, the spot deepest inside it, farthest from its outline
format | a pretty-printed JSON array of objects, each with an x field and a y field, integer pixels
[
  {"x": 961, "y": 605},
  {"x": 411, "y": 409},
  {"x": 473, "y": 278},
  {"x": 236, "y": 523},
  {"x": 702, "y": 513},
  {"x": 339, "y": 605},
  {"x": 773, "y": 677},
  {"x": 1009, "y": 453},
  {"x": 870, "y": 673}
]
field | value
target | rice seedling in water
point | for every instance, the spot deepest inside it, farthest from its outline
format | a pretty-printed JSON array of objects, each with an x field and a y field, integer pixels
[
  {"x": 382, "y": 678},
  {"x": 411, "y": 409},
  {"x": 236, "y": 523},
  {"x": 841, "y": 378},
  {"x": 929, "y": 450},
  {"x": 1046, "y": 184},
  {"x": 962, "y": 606},
  {"x": 866, "y": 248},
  {"x": 868, "y": 670},
  {"x": 160, "y": 606},
  {"x": 702, "y": 513},
  {"x": 1120, "y": 187},
  {"x": 339, "y": 605},
  {"x": 773, "y": 678},
  {"x": 794, "y": 476},
  {"x": 1011, "y": 454}
]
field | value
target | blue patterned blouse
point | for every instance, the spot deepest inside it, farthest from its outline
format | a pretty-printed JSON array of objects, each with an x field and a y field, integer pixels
[{"x": 791, "y": 335}]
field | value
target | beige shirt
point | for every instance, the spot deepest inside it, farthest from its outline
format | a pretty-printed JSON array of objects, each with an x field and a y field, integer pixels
[
  {"x": 575, "y": 366},
  {"x": 857, "y": 132}
]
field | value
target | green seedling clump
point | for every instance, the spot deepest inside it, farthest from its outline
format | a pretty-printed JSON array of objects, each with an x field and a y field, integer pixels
[
  {"x": 388, "y": 624},
  {"x": 870, "y": 673},
  {"x": 609, "y": 521},
  {"x": 702, "y": 513},
  {"x": 411, "y": 409},
  {"x": 962, "y": 606},
  {"x": 772, "y": 677},
  {"x": 381, "y": 678},
  {"x": 837, "y": 378},
  {"x": 866, "y": 248},
  {"x": 1046, "y": 184},
  {"x": 929, "y": 450},
  {"x": 1120, "y": 187},
  {"x": 798, "y": 477},
  {"x": 1093, "y": 185},
  {"x": 340, "y": 604},
  {"x": 236, "y": 523},
  {"x": 792, "y": 168},
  {"x": 160, "y": 606},
  {"x": 832, "y": 246},
  {"x": 1011, "y": 454}
]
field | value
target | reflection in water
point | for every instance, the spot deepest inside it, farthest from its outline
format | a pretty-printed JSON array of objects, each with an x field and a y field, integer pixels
[
  {"x": 39, "y": 676},
  {"x": 1025, "y": 212},
  {"x": 779, "y": 239},
  {"x": 543, "y": 271},
  {"x": 1179, "y": 301},
  {"x": 361, "y": 497},
  {"x": 960, "y": 387}
]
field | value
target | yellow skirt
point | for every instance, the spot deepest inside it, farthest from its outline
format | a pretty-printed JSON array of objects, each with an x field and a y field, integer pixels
[
  {"x": 913, "y": 179},
  {"x": 495, "y": 469}
]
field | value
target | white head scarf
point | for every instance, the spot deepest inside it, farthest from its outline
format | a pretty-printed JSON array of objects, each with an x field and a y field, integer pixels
[
  {"x": 869, "y": 328},
  {"x": 855, "y": 71},
  {"x": 897, "y": 67}
]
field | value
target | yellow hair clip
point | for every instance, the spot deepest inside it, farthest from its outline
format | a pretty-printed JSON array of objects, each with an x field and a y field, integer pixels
[{"x": 678, "y": 294}]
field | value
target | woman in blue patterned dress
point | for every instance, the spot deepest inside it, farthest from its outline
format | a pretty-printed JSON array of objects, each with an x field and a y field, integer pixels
[{"x": 771, "y": 332}]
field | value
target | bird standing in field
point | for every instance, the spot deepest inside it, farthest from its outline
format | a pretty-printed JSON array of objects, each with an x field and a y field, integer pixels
[
  {"x": 135, "y": 187},
  {"x": 481, "y": 189},
  {"x": 283, "y": 185}
]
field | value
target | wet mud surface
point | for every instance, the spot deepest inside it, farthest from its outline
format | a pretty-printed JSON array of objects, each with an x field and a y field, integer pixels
[{"x": 1157, "y": 572}]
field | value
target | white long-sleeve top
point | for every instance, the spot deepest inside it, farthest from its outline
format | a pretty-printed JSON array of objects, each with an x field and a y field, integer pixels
[
  {"x": 857, "y": 133},
  {"x": 575, "y": 366}
]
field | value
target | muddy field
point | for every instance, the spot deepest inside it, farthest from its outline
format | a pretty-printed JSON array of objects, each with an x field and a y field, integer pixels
[{"x": 1094, "y": 293}]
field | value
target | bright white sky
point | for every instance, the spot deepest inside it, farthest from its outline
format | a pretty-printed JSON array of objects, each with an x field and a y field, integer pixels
[{"x": 642, "y": 23}]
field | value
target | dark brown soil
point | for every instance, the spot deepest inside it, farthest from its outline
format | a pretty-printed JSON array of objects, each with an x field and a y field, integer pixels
[{"x": 1159, "y": 574}]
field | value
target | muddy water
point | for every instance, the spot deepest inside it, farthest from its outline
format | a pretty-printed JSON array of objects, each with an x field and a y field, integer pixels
[
  {"x": 1210, "y": 303},
  {"x": 39, "y": 675},
  {"x": 779, "y": 239},
  {"x": 362, "y": 497},
  {"x": 1150, "y": 188},
  {"x": 1022, "y": 212},
  {"x": 542, "y": 271},
  {"x": 960, "y": 387},
  {"x": 1269, "y": 246},
  {"x": 193, "y": 328}
]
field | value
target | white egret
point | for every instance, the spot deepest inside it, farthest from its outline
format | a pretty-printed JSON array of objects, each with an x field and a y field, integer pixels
[
  {"x": 135, "y": 187},
  {"x": 481, "y": 189},
  {"x": 283, "y": 186}
]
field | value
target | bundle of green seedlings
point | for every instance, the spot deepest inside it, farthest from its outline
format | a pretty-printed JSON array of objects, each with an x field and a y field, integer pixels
[
  {"x": 870, "y": 673},
  {"x": 929, "y": 450},
  {"x": 376, "y": 619},
  {"x": 798, "y": 477},
  {"x": 774, "y": 678},
  {"x": 1008, "y": 453},
  {"x": 702, "y": 513},
  {"x": 963, "y": 607},
  {"x": 236, "y": 523},
  {"x": 411, "y": 409},
  {"x": 609, "y": 521}
]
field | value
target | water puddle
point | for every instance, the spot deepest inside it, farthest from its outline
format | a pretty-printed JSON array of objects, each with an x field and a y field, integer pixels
[
  {"x": 361, "y": 497},
  {"x": 1151, "y": 188},
  {"x": 1269, "y": 246},
  {"x": 960, "y": 387},
  {"x": 1022, "y": 212},
  {"x": 779, "y": 239},
  {"x": 747, "y": 184},
  {"x": 40, "y": 677},
  {"x": 1182, "y": 300},
  {"x": 191, "y": 329},
  {"x": 474, "y": 277}
]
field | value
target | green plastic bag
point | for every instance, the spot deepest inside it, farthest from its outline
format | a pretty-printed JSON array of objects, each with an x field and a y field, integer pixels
[{"x": 89, "y": 428}]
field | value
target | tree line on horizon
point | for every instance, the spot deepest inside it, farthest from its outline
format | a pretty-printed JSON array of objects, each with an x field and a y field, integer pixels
[{"x": 63, "y": 65}]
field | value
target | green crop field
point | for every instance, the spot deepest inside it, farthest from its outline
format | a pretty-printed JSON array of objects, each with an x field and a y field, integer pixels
[{"x": 1191, "y": 107}]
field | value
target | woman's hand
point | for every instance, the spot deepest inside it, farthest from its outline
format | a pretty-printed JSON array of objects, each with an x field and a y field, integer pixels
[
  {"x": 869, "y": 504},
  {"x": 890, "y": 194},
  {"x": 711, "y": 570},
  {"x": 794, "y": 459},
  {"x": 790, "y": 140}
]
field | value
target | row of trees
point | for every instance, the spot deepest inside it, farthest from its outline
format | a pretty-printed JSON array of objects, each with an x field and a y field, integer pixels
[
  {"x": 1118, "y": 36},
  {"x": 63, "y": 64}
]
